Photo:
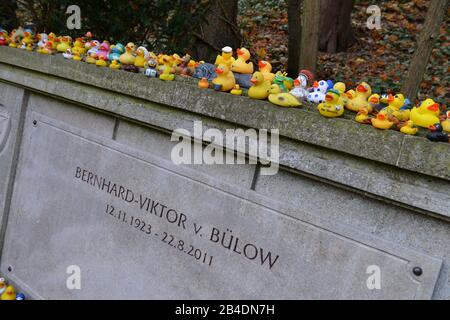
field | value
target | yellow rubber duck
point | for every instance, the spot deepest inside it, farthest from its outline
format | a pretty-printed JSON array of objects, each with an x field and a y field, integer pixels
[
  {"x": 333, "y": 106},
  {"x": 395, "y": 104},
  {"x": 2, "y": 286},
  {"x": 28, "y": 37},
  {"x": 282, "y": 99},
  {"x": 128, "y": 58},
  {"x": 54, "y": 40},
  {"x": 341, "y": 87},
  {"x": 79, "y": 47},
  {"x": 48, "y": 49},
  {"x": 225, "y": 80},
  {"x": 9, "y": 294},
  {"x": 360, "y": 100},
  {"x": 409, "y": 129},
  {"x": 446, "y": 123},
  {"x": 91, "y": 58},
  {"x": 426, "y": 115},
  {"x": 363, "y": 116},
  {"x": 66, "y": 43},
  {"x": 203, "y": 83},
  {"x": 260, "y": 88},
  {"x": 115, "y": 65},
  {"x": 77, "y": 56},
  {"x": 382, "y": 122},
  {"x": 241, "y": 65},
  {"x": 237, "y": 91},
  {"x": 166, "y": 75},
  {"x": 266, "y": 69},
  {"x": 226, "y": 57},
  {"x": 101, "y": 62},
  {"x": 141, "y": 57}
]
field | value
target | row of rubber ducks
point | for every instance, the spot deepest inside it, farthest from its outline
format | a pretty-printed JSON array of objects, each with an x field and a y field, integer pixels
[
  {"x": 7, "y": 292},
  {"x": 230, "y": 74}
]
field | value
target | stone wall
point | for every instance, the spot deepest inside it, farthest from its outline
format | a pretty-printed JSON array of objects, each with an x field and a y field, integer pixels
[{"x": 347, "y": 196}]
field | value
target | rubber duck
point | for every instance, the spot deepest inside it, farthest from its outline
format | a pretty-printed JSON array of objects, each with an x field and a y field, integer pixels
[
  {"x": 437, "y": 134},
  {"x": 66, "y": 43},
  {"x": 102, "y": 61},
  {"x": 226, "y": 57},
  {"x": 395, "y": 103},
  {"x": 78, "y": 47},
  {"x": 15, "y": 37},
  {"x": 318, "y": 92},
  {"x": 42, "y": 38},
  {"x": 9, "y": 294},
  {"x": 114, "y": 65},
  {"x": 260, "y": 88},
  {"x": 225, "y": 80},
  {"x": 77, "y": 55},
  {"x": 300, "y": 85},
  {"x": 285, "y": 83},
  {"x": 446, "y": 123},
  {"x": 93, "y": 46},
  {"x": 20, "y": 296},
  {"x": 48, "y": 48},
  {"x": 2, "y": 285},
  {"x": 360, "y": 100},
  {"x": 266, "y": 69},
  {"x": 128, "y": 58},
  {"x": 103, "y": 51},
  {"x": 282, "y": 99},
  {"x": 375, "y": 102},
  {"x": 341, "y": 87},
  {"x": 68, "y": 54},
  {"x": 166, "y": 75},
  {"x": 409, "y": 128},
  {"x": 186, "y": 68},
  {"x": 332, "y": 107},
  {"x": 426, "y": 115},
  {"x": 151, "y": 70},
  {"x": 237, "y": 91},
  {"x": 203, "y": 83},
  {"x": 54, "y": 39},
  {"x": 363, "y": 116},
  {"x": 241, "y": 65},
  {"x": 141, "y": 57},
  {"x": 4, "y": 37},
  {"x": 382, "y": 122},
  {"x": 116, "y": 51},
  {"x": 28, "y": 38}
]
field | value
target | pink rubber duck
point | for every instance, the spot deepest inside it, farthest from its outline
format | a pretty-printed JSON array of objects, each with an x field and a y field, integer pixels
[{"x": 103, "y": 50}]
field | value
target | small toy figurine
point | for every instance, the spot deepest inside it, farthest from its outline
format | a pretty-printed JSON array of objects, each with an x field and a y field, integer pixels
[
  {"x": 282, "y": 99},
  {"x": 187, "y": 66},
  {"x": 266, "y": 69},
  {"x": 437, "y": 134},
  {"x": 226, "y": 57},
  {"x": 20, "y": 296},
  {"x": 2, "y": 285},
  {"x": 408, "y": 128},
  {"x": 426, "y": 115},
  {"x": 151, "y": 71},
  {"x": 332, "y": 107},
  {"x": 360, "y": 100},
  {"x": 318, "y": 91},
  {"x": 66, "y": 43},
  {"x": 167, "y": 74},
  {"x": 363, "y": 116},
  {"x": 241, "y": 65},
  {"x": 237, "y": 91},
  {"x": 260, "y": 88},
  {"x": 68, "y": 54},
  {"x": 9, "y": 294},
  {"x": 141, "y": 57},
  {"x": 395, "y": 103},
  {"x": 115, "y": 65},
  {"x": 301, "y": 83},
  {"x": 382, "y": 122},
  {"x": 225, "y": 80},
  {"x": 203, "y": 83},
  {"x": 283, "y": 81},
  {"x": 205, "y": 70},
  {"x": 446, "y": 123}
]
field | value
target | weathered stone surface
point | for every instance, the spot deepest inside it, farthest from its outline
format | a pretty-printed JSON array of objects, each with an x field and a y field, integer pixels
[
  {"x": 11, "y": 103},
  {"x": 336, "y": 134},
  {"x": 76, "y": 225}
]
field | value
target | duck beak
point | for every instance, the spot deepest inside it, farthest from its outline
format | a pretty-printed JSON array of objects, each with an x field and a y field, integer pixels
[
  {"x": 391, "y": 98},
  {"x": 253, "y": 80},
  {"x": 219, "y": 71},
  {"x": 261, "y": 64},
  {"x": 434, "y": 107},
  {"x": 432, "y": 128},
  {"x": 329, "y": 97},
  {"x": 361, "y": 88},
  {"x": 239, "y": 52},
  {"x": 297, "y": 83},
  {"x": 374, "y": 100},
  {"x": 381, "y": 116},
  {"x": 316, "y": 84}
]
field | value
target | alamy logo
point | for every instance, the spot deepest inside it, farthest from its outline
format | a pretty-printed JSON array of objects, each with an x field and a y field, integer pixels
[
  {"x": 374, "y": 21},
  {"x": 251, "y": 147},
  {"x": 73, "y": 281},
  {"x": 374, "y": 280},
  {"x": 74, "y": 20}
]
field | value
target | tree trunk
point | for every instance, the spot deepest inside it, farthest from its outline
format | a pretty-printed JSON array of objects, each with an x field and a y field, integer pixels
[
  {"x": 421, "y": 58},
  {"x": 219, "y": 30},
  {"x": 8, "y": 16},
  {"x": 336, "y": 32},
  {"x": 295, "y": 32},
  {"x": 310, "y": 34}
]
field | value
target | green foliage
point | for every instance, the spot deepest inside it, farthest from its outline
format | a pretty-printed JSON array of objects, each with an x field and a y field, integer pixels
[{"x": 159, "y": 24}]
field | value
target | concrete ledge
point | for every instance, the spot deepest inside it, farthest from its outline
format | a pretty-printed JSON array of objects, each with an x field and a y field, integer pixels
[{"x": 389, "y": 147}]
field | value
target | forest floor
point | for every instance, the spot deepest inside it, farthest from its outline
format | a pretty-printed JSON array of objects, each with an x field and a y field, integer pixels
[{"x": 379, "y": 57}]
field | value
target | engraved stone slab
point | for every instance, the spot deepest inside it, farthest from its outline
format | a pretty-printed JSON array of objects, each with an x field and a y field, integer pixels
[{"x": 139, "y": 227}]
